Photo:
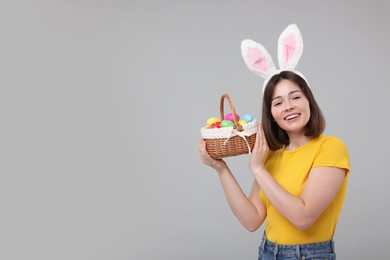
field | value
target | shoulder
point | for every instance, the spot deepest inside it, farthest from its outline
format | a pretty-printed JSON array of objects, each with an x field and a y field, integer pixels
[
  {"x": 332, "y": 143},
  {"x": 332, "y": 152}
]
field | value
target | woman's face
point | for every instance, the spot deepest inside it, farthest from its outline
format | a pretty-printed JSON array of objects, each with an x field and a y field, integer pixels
[{"x": 290, "y": 107}]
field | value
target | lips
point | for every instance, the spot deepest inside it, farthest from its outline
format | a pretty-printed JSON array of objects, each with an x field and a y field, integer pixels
[{"x": 292, "y": 116}]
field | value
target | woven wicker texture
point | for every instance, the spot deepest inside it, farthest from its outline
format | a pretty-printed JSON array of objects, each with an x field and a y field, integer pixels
[{"x": 236, "y": 145}]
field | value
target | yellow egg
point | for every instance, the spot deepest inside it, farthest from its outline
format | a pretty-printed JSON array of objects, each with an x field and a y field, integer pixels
[
  {"x": 212, "y": 120},
  {"x": 242, "y": 122}
]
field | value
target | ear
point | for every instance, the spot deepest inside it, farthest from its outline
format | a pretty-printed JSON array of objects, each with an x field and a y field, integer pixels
[
  {"x": 290, "y": 47},
  {"x": 257, "y": 58}
]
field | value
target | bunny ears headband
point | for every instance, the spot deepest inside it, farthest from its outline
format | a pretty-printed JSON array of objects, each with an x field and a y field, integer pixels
[{"x": 259, "y": 61}]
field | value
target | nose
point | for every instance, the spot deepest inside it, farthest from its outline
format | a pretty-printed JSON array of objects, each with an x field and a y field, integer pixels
[{"x": 288, "y": 106}]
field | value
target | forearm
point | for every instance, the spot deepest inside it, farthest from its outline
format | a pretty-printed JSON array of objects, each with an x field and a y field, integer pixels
[
  {"x": 242, "y": 207},
  {"x": 290, "y": 206}
]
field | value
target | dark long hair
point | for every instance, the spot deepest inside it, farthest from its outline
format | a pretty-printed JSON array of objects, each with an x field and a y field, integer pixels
[{"x": 276, "y": 136}]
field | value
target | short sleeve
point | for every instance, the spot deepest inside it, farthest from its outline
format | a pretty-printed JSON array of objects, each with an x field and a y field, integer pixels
[{"x": 332, "y": 153}]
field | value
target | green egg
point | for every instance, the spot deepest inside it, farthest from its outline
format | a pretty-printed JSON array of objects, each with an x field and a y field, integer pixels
[{"x": 226, "y": 123}]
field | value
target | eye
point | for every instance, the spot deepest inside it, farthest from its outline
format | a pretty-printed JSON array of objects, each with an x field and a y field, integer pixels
[
  {"x": 296, "y": 97},
  {"x": 277, "y": 104}
]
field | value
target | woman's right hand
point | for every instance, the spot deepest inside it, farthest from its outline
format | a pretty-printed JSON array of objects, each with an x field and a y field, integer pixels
[{"x": 217, "y": 164}]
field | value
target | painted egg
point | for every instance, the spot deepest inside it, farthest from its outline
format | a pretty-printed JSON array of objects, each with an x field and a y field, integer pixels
[
  {"x": 226, "y": 123},
  {"x": 230, "y": 117},
  {"x": 242, "y": 122},
  {"x": 212, "y": 120},
  {"x": 247, "y": 118},
  {"x": 215, "y": 125}
]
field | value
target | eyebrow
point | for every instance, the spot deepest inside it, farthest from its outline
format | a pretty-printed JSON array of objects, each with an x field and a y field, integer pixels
[{"x": 292, "y": 92}]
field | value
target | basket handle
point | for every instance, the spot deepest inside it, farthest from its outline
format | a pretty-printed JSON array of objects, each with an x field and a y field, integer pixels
[{"x": 237, "y": 126}]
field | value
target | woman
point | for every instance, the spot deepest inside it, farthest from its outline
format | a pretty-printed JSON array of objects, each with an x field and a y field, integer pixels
[{"x": 300, "y": 175}]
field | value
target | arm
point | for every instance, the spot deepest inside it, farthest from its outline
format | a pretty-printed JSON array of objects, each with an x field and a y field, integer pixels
[
  {"x": 321, "y": 188},
  {"x": 249, "y": 211}
]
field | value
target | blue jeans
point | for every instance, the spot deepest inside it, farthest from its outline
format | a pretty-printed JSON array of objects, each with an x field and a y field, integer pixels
[{"x": 271, "y": 251}]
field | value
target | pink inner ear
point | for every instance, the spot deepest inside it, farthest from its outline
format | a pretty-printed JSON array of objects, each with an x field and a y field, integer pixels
[
  {"x": 257, "y": 60},
  {"x": 289, "y": 48}
]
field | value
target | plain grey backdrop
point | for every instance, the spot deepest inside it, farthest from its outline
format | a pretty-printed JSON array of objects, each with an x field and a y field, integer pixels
[{"x": 102, "y": 103}]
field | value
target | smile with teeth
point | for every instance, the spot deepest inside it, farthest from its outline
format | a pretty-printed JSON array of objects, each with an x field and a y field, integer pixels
[{"x": 290, "y": 117}]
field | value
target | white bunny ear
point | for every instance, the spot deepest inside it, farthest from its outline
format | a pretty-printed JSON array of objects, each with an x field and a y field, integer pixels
[
  {"x": 290, "y": 47},
  {"x": 257, "y": 58}
]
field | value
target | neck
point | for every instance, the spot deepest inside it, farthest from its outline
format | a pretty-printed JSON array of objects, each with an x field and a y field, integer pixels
[{"x": 297, "y": 141}]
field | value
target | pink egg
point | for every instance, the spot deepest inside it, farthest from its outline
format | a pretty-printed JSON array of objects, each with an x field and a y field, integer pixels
[{"x": 230, "y": 117}]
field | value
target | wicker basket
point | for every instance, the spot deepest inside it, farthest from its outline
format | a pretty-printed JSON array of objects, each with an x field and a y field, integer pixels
[{"x": 229, "y": 141}]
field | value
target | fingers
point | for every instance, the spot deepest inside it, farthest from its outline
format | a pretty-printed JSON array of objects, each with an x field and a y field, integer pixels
[
  {"x": 261, "y": 133},
  {"x": 257, "y": 141},
  {"x": 202, "y": 148},
  {"x": 204, "y": 155},
  {"x": 263, "y": 141},
  {"x": 201, "y": 143}
]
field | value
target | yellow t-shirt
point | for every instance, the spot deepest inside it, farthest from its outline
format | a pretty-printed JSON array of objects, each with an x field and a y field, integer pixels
[{"x": 291, "y": 170}]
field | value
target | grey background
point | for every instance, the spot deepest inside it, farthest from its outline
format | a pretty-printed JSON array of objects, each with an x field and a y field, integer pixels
[{"x": 102, "y": 101}]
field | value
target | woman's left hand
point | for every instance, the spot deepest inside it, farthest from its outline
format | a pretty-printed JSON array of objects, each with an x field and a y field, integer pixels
[{"x": 260, "y": 150}]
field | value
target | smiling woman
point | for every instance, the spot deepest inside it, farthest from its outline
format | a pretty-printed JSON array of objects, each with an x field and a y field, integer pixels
[
  {"x": 287, "y": 96},
  {"x": 300, "y": 175}
]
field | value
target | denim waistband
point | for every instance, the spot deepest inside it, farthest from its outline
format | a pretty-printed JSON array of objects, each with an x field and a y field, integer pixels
[{"x": 300, "y": 250}]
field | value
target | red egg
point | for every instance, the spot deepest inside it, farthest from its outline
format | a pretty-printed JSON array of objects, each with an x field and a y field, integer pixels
[{"x": 215, "y": 125}]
